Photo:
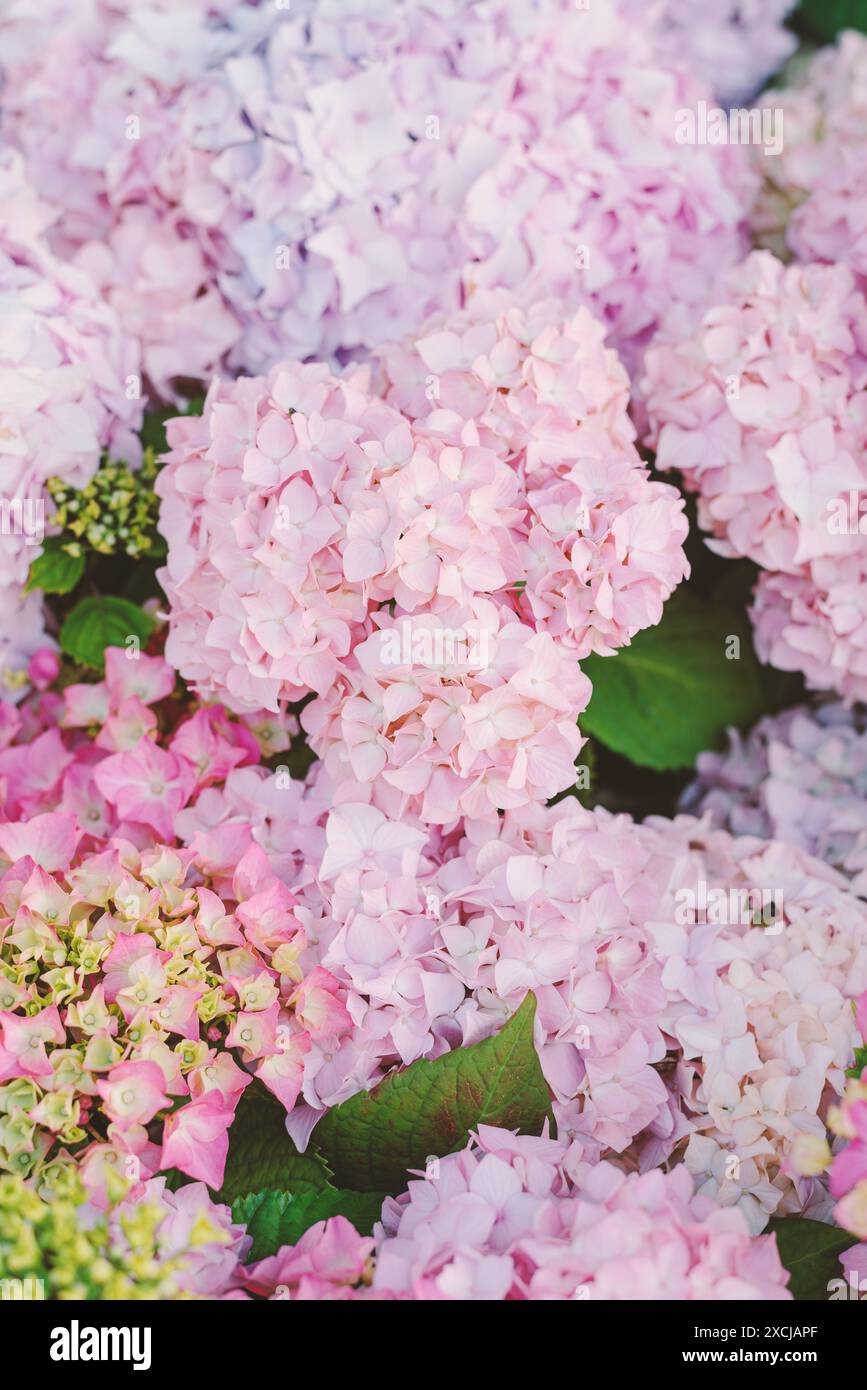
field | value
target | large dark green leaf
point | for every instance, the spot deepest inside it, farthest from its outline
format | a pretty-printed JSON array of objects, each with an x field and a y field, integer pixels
[
  {"x": 824, "y": 19},
  {"x": 676, "y": 689},
  {"x": 371, "y": 1140},
  {"x": 810, "y": 1251}
]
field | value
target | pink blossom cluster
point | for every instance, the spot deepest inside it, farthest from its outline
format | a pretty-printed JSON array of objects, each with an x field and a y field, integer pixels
[
  {"x": 733, "y": 47},
  {"x": 759, "y": 981},
  {"x": 249, "y": 180},
  {"x": 69, "y": 389},
  {"x": 800, "y": 776},
  {"x": 763, "y": 411},
  {"x": 429, "y": 561},
  {"x": 812, "y": 192},
  {"x": 515, "y": 1217},
  {"x": 113, "y": 758},
  {"x": 216, "y": 796},
  {"x": 131, "y": 990},
  {"x": 672, "y": 1018},
  {"x": 603, "y": 542}
]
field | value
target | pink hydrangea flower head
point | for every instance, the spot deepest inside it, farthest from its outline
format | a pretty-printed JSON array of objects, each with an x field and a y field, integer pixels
[
  {"x": 514, "y": 1217},
  {"x": 693, "y": 990},
  {"x": 812, "y": 189},
  {"x": 209, "y": 190},
  {"x": 109, "y": 758},
  {"x": 799, "y": 776},
  {"x": 428, "y": 565},
  {"x": 732, "y": 48},
  {"x": 762, "y": 412}
]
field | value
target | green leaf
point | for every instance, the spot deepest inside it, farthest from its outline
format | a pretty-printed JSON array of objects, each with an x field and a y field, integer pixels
[
  {"x": 430, "y": 1107},
  {"x": 824, "y": 19},
  {"x": 99, "y": 622},
  {"x": 261, "y": 1154},
  {"x": 860, "y": 1062},
  {"x": 674, "y": 691},
  {"x": 55, "y": 571},
  {"x": 281, "y": 1218},
  {"x": 810, "y": 1251}
]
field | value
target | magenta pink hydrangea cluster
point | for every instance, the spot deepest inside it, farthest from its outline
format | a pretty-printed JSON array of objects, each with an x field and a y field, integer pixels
[
  {"x": 200, "y": 153},
  {"x": 161, "y": 981},
  {"x": 121, "y": 757}
]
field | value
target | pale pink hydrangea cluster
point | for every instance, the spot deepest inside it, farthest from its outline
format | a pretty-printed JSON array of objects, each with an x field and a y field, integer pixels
[
  {"x": 130, "y": 990},
  {"x": 515, "y": 1217},
  {"x": 603, "y": 542},
  {"x": 812, "y": 192},
  {"x": 69, "y": 389},
  {"x": 114, "y": 107},
  {"x": 800, "y": 776},
  {"x": 733, "y": 46},
  {"x": 759, "y": 985},
  {"x": 430, "y": 572},
  {"x": 668, "y": 1023},
  {"x": 249, "y": 181},
  {"x": 764, "y": 412},
  {"x": 438, "y": 939}
]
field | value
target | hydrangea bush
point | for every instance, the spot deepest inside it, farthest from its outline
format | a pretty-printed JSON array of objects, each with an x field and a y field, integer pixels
[{"x": 382, "y": 916}]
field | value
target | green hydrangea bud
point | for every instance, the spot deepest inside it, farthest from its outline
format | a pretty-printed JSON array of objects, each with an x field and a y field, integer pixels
[{"x": 116, "y": 513}]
